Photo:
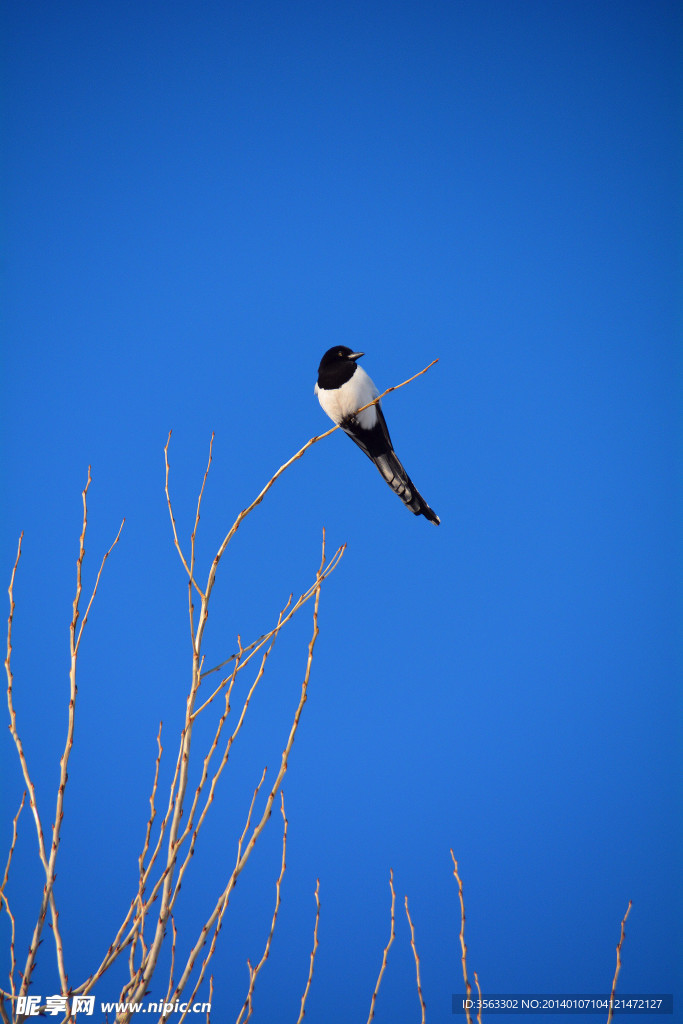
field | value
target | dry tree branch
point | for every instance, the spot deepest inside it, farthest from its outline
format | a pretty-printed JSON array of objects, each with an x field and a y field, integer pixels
[
  {"x": 193, "y": 582},
  {"x": 173, "y": 945},
  {"x": 618, "y": 967},
  {"x": 476, "y": 981},
  {"x": 216, "y": 915},
  {"x": 468, "y": 987},
  {"x": 75, "y": 642},
  {"x": 49, "y": 865},
  {"x": 240, "y": 841},
  {"x": 4, "y": 901},
  {"x": 242, "y": 651},
  {"x": 97, "y": 583},
  {"x": 392, "y": 936},
  {"x": 304, "y": 997},
  {"x": 193, "y": 535},
  {"x": 152, "y": 811},
  {"x": 254, "y": 971},
  {"x": 417, "y": 962},
  {"x": 13, "y": 722}
]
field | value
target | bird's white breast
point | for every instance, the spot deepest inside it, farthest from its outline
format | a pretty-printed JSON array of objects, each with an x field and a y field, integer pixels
[{"x": 351, "y": 396}]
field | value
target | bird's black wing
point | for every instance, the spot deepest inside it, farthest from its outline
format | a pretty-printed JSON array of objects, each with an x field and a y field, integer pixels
[{"x": 376, "y": 443}]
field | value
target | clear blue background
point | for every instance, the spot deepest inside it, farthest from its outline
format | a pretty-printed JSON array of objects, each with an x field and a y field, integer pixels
[{"x": 199, "y": 200}]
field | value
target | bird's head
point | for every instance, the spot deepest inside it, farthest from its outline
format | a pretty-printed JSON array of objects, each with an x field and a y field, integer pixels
[{"x": 337, "y": 356}]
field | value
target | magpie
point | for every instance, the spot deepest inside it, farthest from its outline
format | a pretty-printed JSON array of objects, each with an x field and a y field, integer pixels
[{"x": 343, "y": 388}]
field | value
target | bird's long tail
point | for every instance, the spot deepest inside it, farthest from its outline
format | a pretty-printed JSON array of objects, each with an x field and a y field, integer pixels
[{"x": 395, "y": 475}]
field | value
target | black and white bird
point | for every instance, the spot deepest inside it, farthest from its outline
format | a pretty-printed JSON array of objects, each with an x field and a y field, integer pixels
[{"x": 343, "y": 388}]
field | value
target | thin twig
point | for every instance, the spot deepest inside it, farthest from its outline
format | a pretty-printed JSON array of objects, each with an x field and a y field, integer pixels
[
  {"x": 28, "y": 967},
  {"x": 476, "y": 981},
  {"x": 417, "y": 963},
  {"x": 152, "y": 808},
  {"x": 15, "y": 822},
  {"x": 199, "y": 500},
  {"x": 468, "y": 987},
  {"x": 392, "y": 935},
  {"x": 618, "y": 967},
  {"x": 4, "y": 901},
  {"x": 304, "y": 997},
  {"x": 193, "y": 537},
  {"x": 240, "y": 841},
  {"x": 254, "y": 971},
  {"x": 97, "y": 582},
  {"x": 173, "y": 945},
  {"x": 173, "y": 524},
  {"x": 242, "y": 650}
]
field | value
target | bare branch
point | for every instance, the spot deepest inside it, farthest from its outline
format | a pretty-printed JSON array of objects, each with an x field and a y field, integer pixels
[
  {"x": 417, "y": 963},
  {"x": 618, "y": 967},
  {"x": 304, "y": 997},
  {"x": 97, "y": 583},
  {"x": 251, "y": 811},
  {"x": 254, "y": 971},
  {"x": 33, "y": 948},
  {"x": 468, "y": 987},
  {"x": 476, "y": 981},
  {"x": 15, "y": 821},
  {"x": 152, "y": 808},
  {"x": 50, "y": 866},
  {"x": 193, "y": 582},
  {"x": 392, "y": 936},
  {"x": 173, "y": 944},
  {"x": 5, "y": 902},
  {"x": 13, "y": 716},
  {"x": 199, "y": 503}
]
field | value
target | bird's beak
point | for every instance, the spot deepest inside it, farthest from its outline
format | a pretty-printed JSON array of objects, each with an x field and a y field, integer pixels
[{"x": 356, "y": 355}]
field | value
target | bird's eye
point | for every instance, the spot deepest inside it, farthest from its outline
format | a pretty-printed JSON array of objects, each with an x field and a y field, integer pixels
[{"x": 340, "y": 352}]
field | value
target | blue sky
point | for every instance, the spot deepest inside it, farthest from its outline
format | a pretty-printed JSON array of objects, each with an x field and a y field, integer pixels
[{"x": 199, "y": 200}]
